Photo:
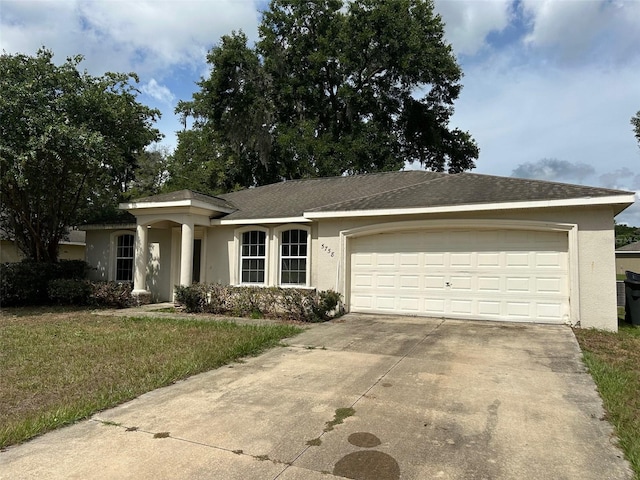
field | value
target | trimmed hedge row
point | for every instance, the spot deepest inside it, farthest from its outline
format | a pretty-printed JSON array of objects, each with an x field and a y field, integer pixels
[
  {"x": 285, "y": 303},
  {"x": 30, "y": 283}
]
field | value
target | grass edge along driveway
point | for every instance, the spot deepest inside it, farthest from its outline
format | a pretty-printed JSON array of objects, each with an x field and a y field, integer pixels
[
  {"x": 613, "y": 360},
  {"x": 57, "y": 366}
]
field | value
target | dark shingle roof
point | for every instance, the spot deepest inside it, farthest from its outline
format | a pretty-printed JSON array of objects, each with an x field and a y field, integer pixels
[
  {"x": 632, "y": 247},
  {"x": 292, "y": 198},
  {"x": 409, "y": 189}
]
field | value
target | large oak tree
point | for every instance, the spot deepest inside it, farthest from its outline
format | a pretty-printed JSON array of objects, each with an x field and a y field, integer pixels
[
  {"x": 69, "y": 146},
  {"x": 332, "y": 87}
]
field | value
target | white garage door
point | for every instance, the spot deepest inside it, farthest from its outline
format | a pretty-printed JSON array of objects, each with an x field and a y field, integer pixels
[{"x": 487, "y": 274}]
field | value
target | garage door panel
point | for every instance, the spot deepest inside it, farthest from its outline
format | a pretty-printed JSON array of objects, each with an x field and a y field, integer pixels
[
  {"x": 434, "y": 260},
  {"x": 362, "y": 301},
  {"x": 385, "y": 260},
  {"x": 488, "y": 260},
  {"x": 550, "y": 285},
  {"x": 461, "y": 307},
  {"x": 409, "y": 304},
  {"x": 489, "y": 308},
  {"x": 548, "y": 310},
  {"x": 516, "y": 259},
  {"x": 386, "y": 281},
  {"x": 489, "y": 274},
  {"x": 409, "y": 282},
  {"x": 518, "y": 309},
  {"x": 434, "y": 282},
  {"x": 460, "y": 260},
  {"x": 362, "y": 280},
  {"x": 410, "y": 260},
  {"x": 548, "y": 260},
  {"x": 384, "y": 302},
  {"x": 434, "y": 306},
  {"x": 488, "y": 284},
  {"x": 458, "y": 282},
  {"x": 363, "y": 260},
  {"x": 518, "y": 285}
]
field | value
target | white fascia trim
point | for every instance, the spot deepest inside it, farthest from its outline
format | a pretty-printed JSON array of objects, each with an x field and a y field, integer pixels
[
  {"x": 259, "y": 221},
  {"x": 109, "y": 226},
  {"x": 574, "y": 202},
  {"x": 627, "y": 252},
  {"x": 174, "y": 203}
]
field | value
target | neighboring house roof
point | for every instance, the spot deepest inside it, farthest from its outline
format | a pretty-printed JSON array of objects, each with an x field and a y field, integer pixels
[
  {"x": 399, "y": 190},
  {"x": 630, "y": 248},
  {"x": 384, "y": 192}
]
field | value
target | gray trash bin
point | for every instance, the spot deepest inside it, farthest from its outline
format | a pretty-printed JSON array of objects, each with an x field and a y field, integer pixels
[{"x": 632, "y": 298}]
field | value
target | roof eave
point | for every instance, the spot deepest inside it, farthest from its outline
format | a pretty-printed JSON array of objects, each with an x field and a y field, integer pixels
[
  {"x": 619, "y": 202},
  {"x": 162, "y": 206}
]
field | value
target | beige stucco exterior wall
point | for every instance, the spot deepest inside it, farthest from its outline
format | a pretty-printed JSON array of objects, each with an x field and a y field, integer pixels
[
  {"x": 627, "y": 261},
  {"x": 100, "y": 254}
]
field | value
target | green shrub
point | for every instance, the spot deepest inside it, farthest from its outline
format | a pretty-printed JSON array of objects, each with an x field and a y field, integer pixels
[
  {"x": 69, "y": 291},
  {"x": 73, "y": 269},
  {"x": 327, "y": 305},
  {"x": 111, "y": 294},
  {"x": 193, "y": 297},
  {"x": 27, "y": 282},
  {"x": 298, "y": 304}
]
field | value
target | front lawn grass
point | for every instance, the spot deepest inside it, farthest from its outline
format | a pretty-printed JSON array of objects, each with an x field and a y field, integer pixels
[
  {"x": 61, "y": 365},
  {"x": 614, "y": 362}
]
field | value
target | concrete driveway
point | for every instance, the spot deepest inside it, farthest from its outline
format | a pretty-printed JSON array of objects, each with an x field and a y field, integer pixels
[{"x": 430, "y": 398}]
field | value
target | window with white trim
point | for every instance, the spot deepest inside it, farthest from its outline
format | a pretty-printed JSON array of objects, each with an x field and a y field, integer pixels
[
  {"x": 124, "y": 258},
  {"x": 293, "y": 257},
  {"x": 253, "y": 257}
]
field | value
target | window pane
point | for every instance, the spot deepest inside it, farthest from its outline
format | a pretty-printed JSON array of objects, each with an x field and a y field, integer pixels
[
  {"x": 293, "y": 262},
  {"x": 253, "y": 248},
  {"x": 124, "y": 258}
]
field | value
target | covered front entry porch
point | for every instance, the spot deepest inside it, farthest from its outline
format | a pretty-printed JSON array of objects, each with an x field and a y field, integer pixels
[{"x": 184, "y": 217}]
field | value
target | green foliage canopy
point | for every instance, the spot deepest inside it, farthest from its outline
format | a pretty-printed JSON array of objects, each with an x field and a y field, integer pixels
[
  {"x": 68, "y": 146},
  {"x": 331, "y": 88},
  {"x": 635, "y": 122}
]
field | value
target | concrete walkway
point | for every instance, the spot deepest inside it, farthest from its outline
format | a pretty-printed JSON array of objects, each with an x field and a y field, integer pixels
[{"x": 419, "y": 399}]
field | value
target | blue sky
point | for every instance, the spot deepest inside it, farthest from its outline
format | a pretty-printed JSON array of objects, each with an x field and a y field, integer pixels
[{"x": 549, "y": 86}]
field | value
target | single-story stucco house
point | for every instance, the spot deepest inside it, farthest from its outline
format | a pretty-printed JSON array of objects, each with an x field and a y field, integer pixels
[
  {"x": 628, "y": 258},
  {"x": 417, "y": 243},
  {"x": 71, "y": 248}
]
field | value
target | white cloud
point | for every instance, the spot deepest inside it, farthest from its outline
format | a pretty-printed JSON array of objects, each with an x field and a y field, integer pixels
[
  {"x": 584, "y": 31},
  {"x": 159, "y": 92},
  {"x": 147, "y": 36},
  {"x": 468, "y": 22},
  {"x": 555, "y": 170}
]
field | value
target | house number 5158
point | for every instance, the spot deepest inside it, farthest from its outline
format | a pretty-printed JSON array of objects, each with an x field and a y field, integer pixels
[{"x": 327, "y": 249}]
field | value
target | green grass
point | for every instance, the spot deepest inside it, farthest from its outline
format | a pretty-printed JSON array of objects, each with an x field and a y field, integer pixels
[
  {"x": 61, "y": 365},
  {"x": 614, "y": 362}
]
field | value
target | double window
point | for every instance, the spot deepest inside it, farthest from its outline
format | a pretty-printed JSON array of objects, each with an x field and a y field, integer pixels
[
  {"x": 291, "y": 265},
  {"x": 124, "y": 258}
]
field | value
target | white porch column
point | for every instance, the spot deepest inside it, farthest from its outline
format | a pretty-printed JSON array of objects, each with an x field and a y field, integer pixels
[
  {"x": 186, "y": 254},
  {"x": 140, "y": 263}
]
